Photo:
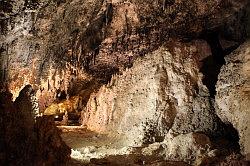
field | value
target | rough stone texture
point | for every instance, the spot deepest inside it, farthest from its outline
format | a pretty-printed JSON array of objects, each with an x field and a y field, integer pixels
[
  {"x": 233, "y": 94},
  {"x": 248, "y": 20},
  {"x": 24, "y": 141},
  {"x": 53, "y": 44},
  {"x": 233, "y": 159},
  {"x": 49, "y": 144},
  {"x": 75, "y": 46},
  {"x": 160, "y": 92},
  {"x": 180, "y": 150},
  {"x": 184, "y": 147},
  {"x": 27, "y": 105}
]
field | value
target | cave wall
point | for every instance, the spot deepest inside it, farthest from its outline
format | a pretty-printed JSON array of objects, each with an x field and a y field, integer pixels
[
  {"x": 232, "y": 99},
  {"x": 162, "y": 91},
  {"x": 34, "y": 41},
  {"x": 68, "y": 44},
  {"x": 248, "y": 19},
  {"x": 77, "y": 46}
]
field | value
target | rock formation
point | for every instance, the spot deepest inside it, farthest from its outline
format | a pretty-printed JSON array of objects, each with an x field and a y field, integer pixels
[
  {"x": 233, "y": 94},
  {"x": 160, "y": 92},
  {"x": 25, "y": 141},
  {"x": 143, "y": 71},
  {"x": 65, "y": 44}
]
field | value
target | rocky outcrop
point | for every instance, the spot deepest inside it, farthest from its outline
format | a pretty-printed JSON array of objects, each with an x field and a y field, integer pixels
[
  {"x": 233, "y": 94},
  {"x": 161, "y": 93},
  {"x": 50, "y": 148},
  {"x": 25, "y": 140}
]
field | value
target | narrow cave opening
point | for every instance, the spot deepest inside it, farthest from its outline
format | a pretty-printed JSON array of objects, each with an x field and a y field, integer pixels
[
  {"x": 213, "y": 63},
  {"x": 229, "y": 138}
]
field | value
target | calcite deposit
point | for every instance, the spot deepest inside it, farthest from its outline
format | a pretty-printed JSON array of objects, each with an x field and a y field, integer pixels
[
  {"x": 160, "y": 92},
  {"x": 57, "y": 44},
  {"x": 140, "y": 74}
]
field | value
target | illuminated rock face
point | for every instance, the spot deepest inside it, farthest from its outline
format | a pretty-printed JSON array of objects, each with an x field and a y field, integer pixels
[
  {"x": 55, "y": 45},
  {"x": 73, "y": 105},
  {"x": 184, "y": 147},
  {"x": 162, "y": 92},
  {"x": 232, "y": 99},
  {"x": 76, "y": 46}
]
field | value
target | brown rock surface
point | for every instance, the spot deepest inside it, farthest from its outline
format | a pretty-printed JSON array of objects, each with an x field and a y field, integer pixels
[
  {"x": 72, "y": 105},
  {"x": 24, "y": 141},
  {"x": 57, "y": 44},
  {"x": 233, "y": 94},
  {"x": 49, "y": 144},
  {"x": 76, "y": 46},
  {"x": 160, "y": 92}
]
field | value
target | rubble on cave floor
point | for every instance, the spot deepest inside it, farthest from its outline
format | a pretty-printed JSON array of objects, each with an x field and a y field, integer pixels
[{"x": 92, "y": 149}]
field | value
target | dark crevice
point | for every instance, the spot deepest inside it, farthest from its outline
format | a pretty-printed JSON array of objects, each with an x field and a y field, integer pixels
[
  {"x": 212, "y": 64},
  {"x": 228, "y": 137},
  {"x": 232, "y": 136},
  {"x": 210, "y": 70},
  {"x": 227, "y": 140},
  {"x": 216, "y": 48}
]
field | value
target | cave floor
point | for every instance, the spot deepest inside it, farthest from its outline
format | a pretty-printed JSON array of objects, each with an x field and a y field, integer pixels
[
  {"x": 90, "y": 148},
  {"x": 78, "y": 137}
]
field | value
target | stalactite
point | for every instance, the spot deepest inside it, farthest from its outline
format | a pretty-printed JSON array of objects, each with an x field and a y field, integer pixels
[{"x": 163, "y": 5}]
